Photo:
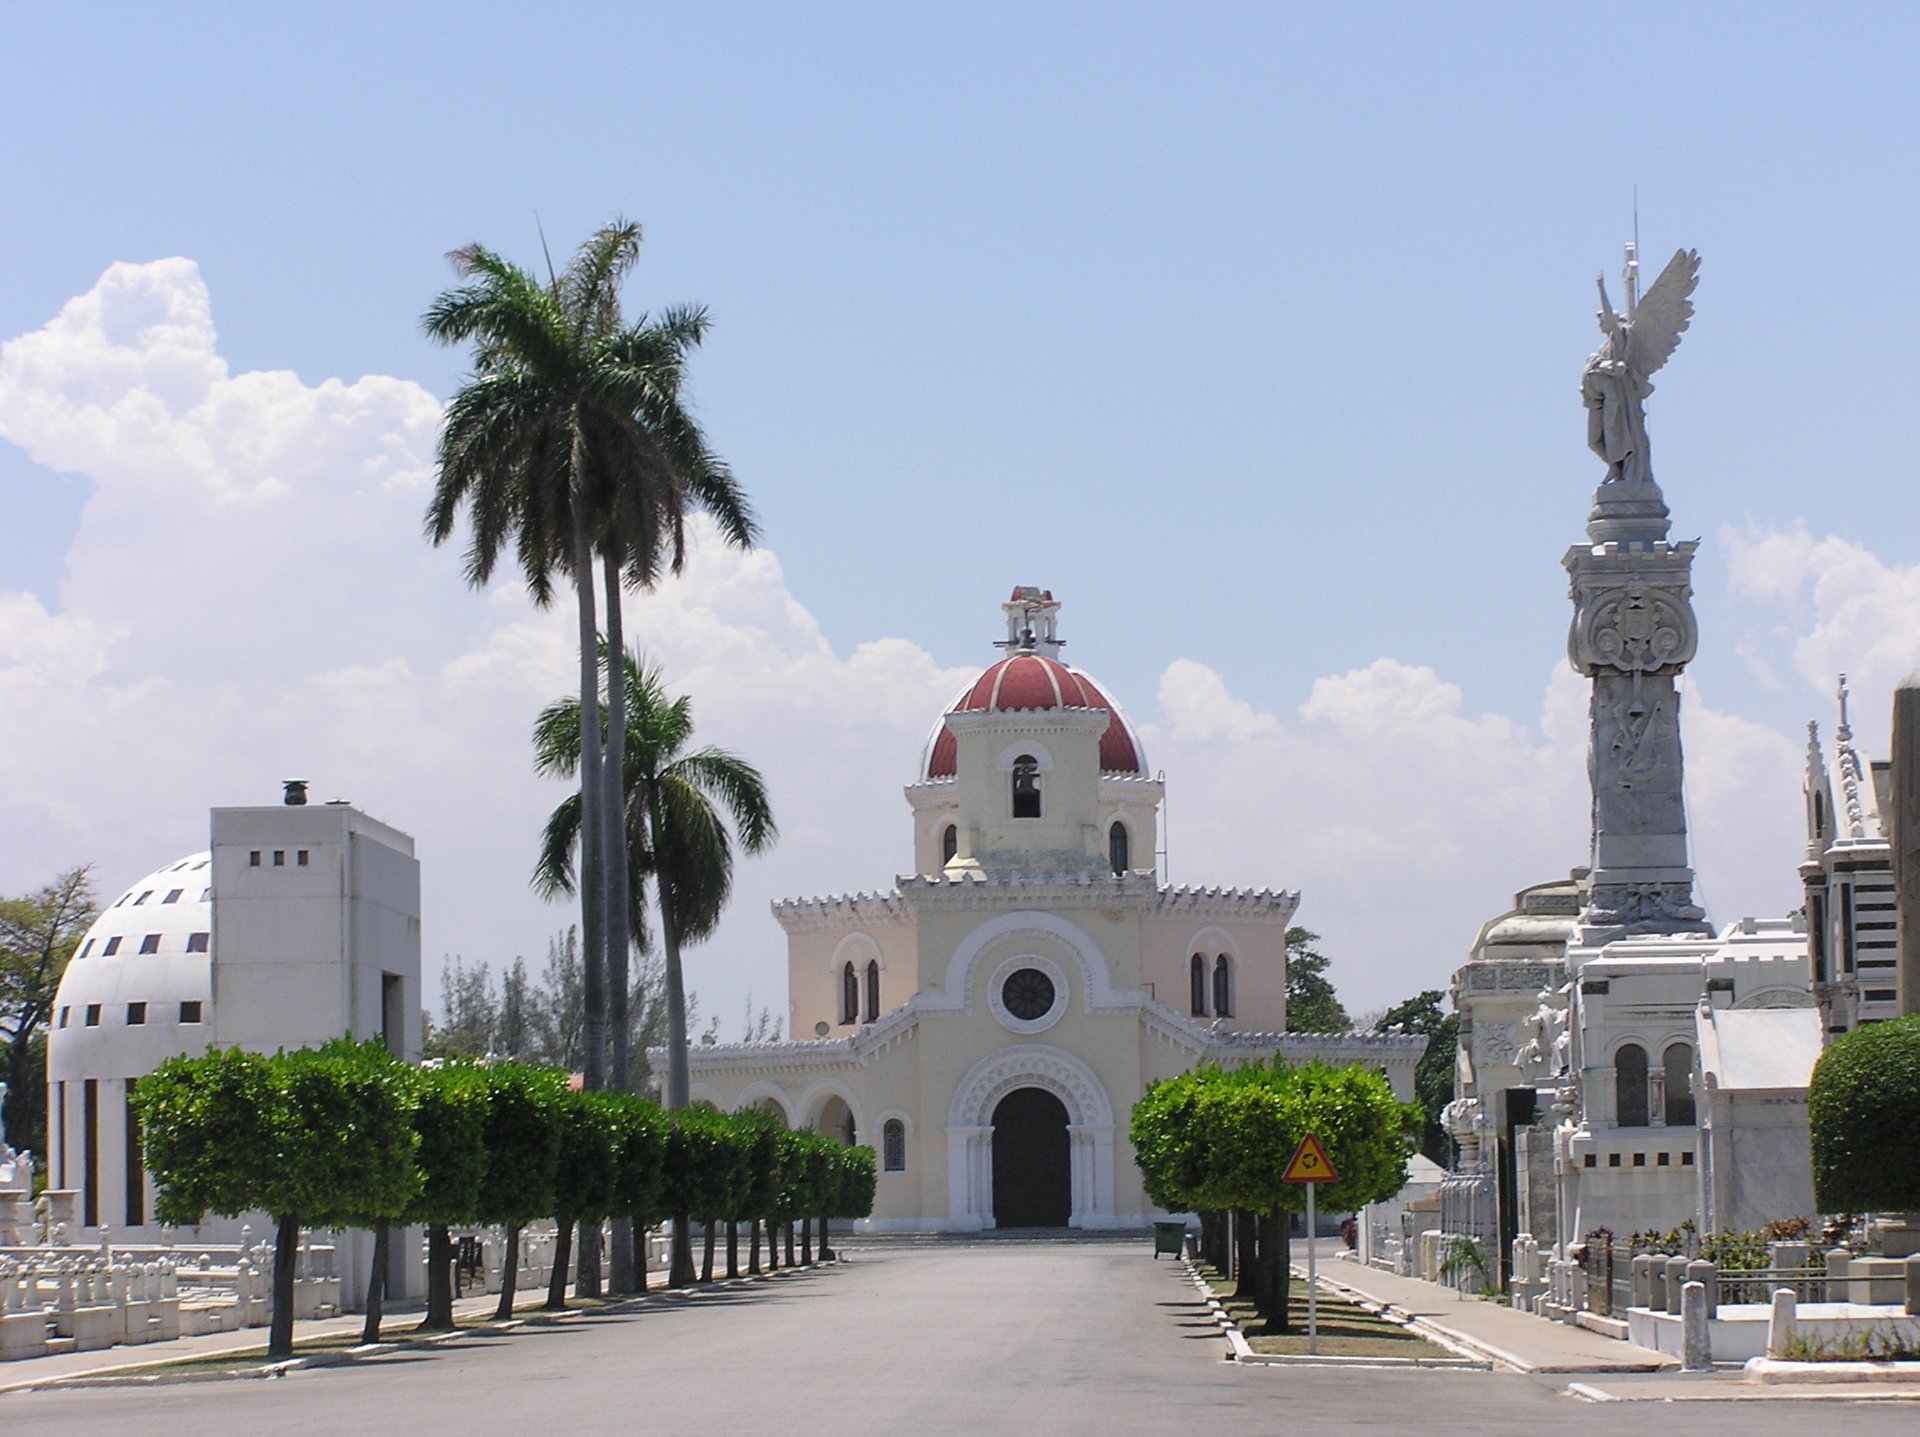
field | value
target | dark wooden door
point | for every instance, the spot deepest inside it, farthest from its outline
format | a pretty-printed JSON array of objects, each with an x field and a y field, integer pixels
[{"x": 1032, "y": 1176}]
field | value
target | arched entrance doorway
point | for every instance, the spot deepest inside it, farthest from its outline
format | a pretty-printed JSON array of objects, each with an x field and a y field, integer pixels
[{"x": 1032, "y": 1172}]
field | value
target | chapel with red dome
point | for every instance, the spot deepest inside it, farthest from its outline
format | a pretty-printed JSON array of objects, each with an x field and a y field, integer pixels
[{"x": 987, "y": 1021}]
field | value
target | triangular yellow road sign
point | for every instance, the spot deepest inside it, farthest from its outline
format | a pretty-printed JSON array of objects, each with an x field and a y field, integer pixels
[{"x": 1309, "y": 1164}]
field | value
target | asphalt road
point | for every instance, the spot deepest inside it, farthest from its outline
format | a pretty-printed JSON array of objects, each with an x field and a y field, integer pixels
[{"x": 1000, "y": 1337}]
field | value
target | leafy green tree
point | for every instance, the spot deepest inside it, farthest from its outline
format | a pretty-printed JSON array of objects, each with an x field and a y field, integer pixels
[
  {"x": 855, "y": 1180},
  {"x": 584, "y": 1178},
  {"x": 705, "y": 1164},
  {"x": 451, "y": 1120},
  {"x": 677, "y": 837},
  {"x": 521, "y": 1148},
  {"x": 1219, "y": 1140},
  {"x": 379, "y": 1206},
  {"x": 470, "y": 1012},
  {"x": 758, "y": 1189},
  {"x": 1863, "y": 1109},
  {"x": 640, "y": 1171},
  {"x": 1312, "y": 1005},
  {"x": 233, "y": 1132},
  {"x": 38, "y": 935},
  {"x": 1433, "y": 1079}
]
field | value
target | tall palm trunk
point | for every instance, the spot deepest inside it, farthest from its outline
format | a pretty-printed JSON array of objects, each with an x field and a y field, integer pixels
[
  {"x": 679, "y": 1080},
  {"x": 613, "y": 820},
  {"x": 593, "y": 855}
]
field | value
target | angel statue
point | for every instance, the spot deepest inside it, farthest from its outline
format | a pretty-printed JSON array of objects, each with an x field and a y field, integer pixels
[{"x": 1615, "y": 385}]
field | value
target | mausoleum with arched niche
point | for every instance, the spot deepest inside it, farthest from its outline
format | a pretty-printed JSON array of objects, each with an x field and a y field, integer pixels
[{"x": 987, "y": 1022}]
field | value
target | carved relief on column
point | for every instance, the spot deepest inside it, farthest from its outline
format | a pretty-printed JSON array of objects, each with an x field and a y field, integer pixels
[{"x": 1632, "y": 622}]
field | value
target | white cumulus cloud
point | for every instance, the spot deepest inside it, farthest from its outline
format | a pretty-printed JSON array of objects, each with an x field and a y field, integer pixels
[{"x": 248, "y": 598}]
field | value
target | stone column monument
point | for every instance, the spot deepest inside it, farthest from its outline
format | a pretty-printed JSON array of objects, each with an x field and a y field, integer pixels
[
  {"x": 1633, "y": 626},
  {"x": 1904, "y": 837}
]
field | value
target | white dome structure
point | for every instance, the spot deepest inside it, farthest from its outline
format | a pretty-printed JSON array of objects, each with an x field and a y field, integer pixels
[
  {"x": 138, "y": 991},
  {"x": 298, "y": 924}
]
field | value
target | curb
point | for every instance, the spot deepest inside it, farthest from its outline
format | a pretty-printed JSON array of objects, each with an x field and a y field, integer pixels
[
  {"x": 1456, "y": 1341},
  {"x": 1774, "y": 1371},
  {"x": 1241, "y": 1351},
  {"x": 155, "y": 1373}
]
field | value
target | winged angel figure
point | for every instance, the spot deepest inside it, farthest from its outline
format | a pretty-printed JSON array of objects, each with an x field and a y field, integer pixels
[{"x": 1616, "y": 383}]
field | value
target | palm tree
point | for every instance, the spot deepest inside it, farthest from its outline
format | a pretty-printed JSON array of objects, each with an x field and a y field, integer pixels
[
  {"x": 571, "y": 441},
  {"x": 677, "y": 837}
]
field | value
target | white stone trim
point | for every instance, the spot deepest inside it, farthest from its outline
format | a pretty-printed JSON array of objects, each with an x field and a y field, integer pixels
[
  {"x": 957, "y": 991},
  {"x": 814, "y": 1098},
  {"x": 1062, "y": 993},
  {"x": 1042, "y": 759},
  {"x": 757, "y": 1092},
  {"x": 856, "y": 948},
  {"x": 970, "y": 1133}
]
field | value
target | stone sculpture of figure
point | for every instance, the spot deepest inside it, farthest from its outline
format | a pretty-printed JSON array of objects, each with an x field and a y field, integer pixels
[
  {"x": 1616, "y": 383},
  {"x": 1545, "y": 1024}
]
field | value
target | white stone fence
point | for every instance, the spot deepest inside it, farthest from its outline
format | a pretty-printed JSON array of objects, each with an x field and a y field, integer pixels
[
  {"x": 67, "y": 1299},
  {"x": 1690, "y": 1309}
]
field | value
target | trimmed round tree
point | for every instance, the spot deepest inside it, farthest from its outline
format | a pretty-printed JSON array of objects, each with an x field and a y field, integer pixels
[
  {"x": 314, "y": 1135},
  {"x": 451, "y": 1119},
  {"x": 640, "y": 1161},
  {"x": 583, "y": 1177},
  {"x": 520, "y": 1149},
  {"x": 1863, "y": 1109}
]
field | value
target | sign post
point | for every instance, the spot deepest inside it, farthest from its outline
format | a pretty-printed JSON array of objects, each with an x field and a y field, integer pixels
[{"x": 1309, "y": 1165}]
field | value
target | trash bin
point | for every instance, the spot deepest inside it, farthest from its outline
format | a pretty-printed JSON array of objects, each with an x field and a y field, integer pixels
[{"x": 1169, "y": 1237}]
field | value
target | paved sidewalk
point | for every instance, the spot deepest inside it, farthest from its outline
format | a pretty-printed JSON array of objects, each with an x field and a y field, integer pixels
[{"x": 1515, "y": 1340}]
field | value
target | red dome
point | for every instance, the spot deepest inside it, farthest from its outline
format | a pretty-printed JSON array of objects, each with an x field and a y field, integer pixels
[{"x": 1028, "y": 681}]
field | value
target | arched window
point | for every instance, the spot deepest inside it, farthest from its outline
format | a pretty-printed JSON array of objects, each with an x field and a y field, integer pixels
[
  {"x": 849, "y": 995},
  {"x": 1677, "y": 1061},
  {"x": 873, "y": 989},
  {"x": 1630, "y": 1086},
  {"x": 893, "y": 1146},
  {"x": 949, "y": 844},
  {"x": 1197, "y": 983},
  {"x": 1117, "y": 853},
  {"x": 1222, "y": 988},
  {"x": 1026, "y": 787}
]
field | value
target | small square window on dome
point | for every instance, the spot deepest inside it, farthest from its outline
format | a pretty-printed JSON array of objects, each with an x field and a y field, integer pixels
[
  {"x": 173, "y": 895},
  {"x": 190, "y": 1011},
  {"x": 136, "y": 1015},
  {"x": 93, "y": 1015},
  {"x": 150, "y": 944},
  {"x": 197, "y": 942},
  {"x": 112, "y": 947}
]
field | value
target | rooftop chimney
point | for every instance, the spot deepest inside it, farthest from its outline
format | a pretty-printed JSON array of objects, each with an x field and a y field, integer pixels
[{"x": 296, "y": 796}]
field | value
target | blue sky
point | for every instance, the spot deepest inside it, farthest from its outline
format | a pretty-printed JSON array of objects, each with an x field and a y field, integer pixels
[{"x": 1253, "y": 332}]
